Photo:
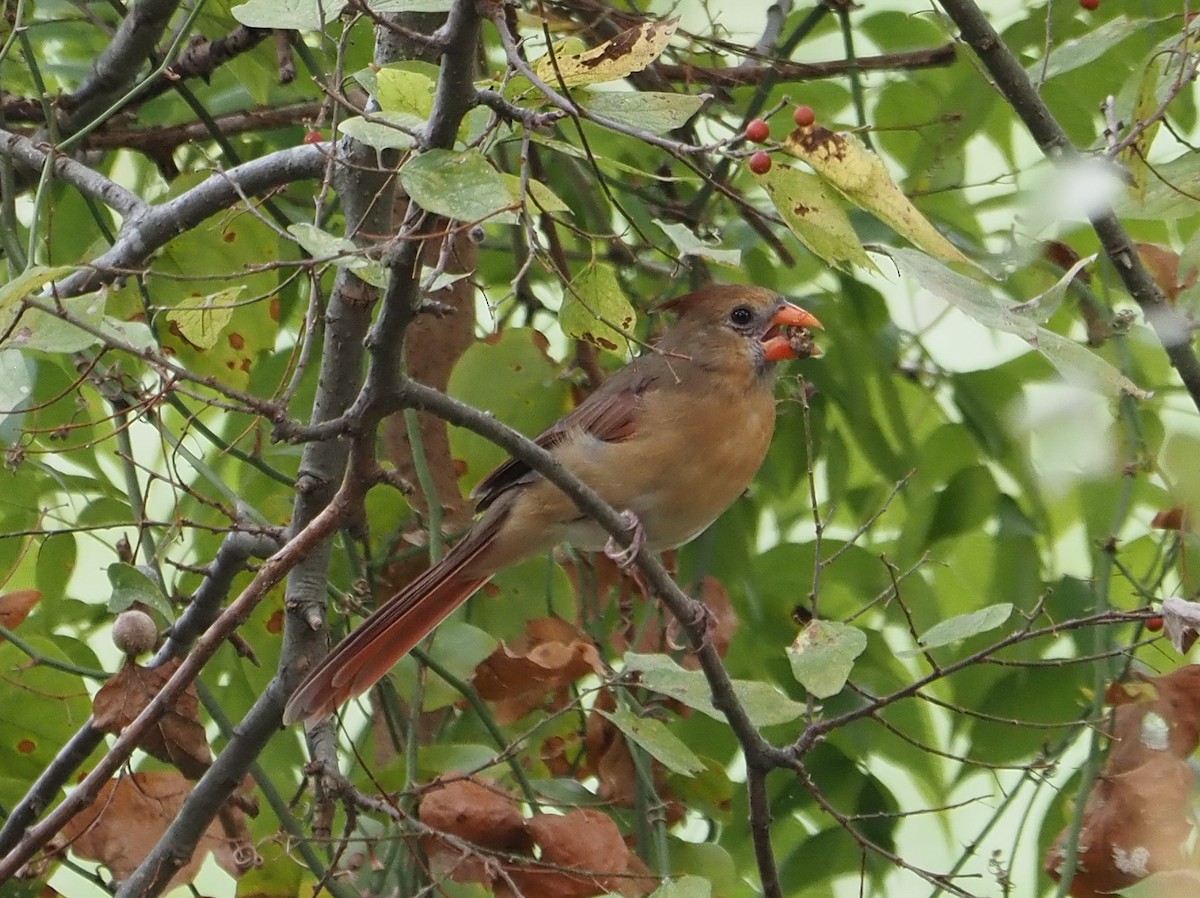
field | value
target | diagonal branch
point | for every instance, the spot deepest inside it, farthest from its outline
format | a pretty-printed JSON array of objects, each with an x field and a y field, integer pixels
[{"x": 1173, "y": 330}]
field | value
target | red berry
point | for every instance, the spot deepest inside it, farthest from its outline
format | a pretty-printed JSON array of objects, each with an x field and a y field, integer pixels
[
  {"x": 757, "y": 131},
  {"x": 314, "y": 136},
  {"x": 760, "y": 163},
  {"x": 804, "y": 116},
  {"x": 1090, "y": 5},
  {"x": 1153, "y": 624}
]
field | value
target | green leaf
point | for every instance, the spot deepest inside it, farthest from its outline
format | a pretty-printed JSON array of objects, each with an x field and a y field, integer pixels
[
  {"x": 595, "y": 309},
  {"x": 1079, "y": 51},
  {"x": 16, "y": 392},
  {"x": 340, "y": 250},
  {"x": 49, "y": 332},
  {"x": 976, "y": 298},
  {"x": 964, "y": 626},
  {"x": 389, "y": 6},
  {"x": 532, "y": 397},
  {"x": 686, "y": 886},
  {"x": 689, "y": 244},
  {"x": 462, "y": 186},
  {"x": 659, "y": 742},
  {"x": 382, "y": 130},
  {"x": 816, "y": 217},
  {"x": 24, "y": 285},
  {"x": 402, "y": 90},
  {"x": 130, "y": 585},
  {"x": 290, "y": 15},
  {"x": 764, "y": 703},
  {"x": 863, "y": 179},
  {"x": 545, "y": 199},
  {"x": 201, "y": 324},
  {"x": 823, "y": 656},
  {"x": 657, "y": 113}
]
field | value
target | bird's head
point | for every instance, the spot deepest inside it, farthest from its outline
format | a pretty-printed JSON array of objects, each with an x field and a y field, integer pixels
[{"x": 722, "y": 322}]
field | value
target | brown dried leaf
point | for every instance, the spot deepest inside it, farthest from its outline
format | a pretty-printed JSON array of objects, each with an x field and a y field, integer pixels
[
  {"x": 473, "y": 810},
  {"x": 1163, "y": 264},
  {"x": 586, "y": 841},
  {"x": 1181, "y": 620},
  {"x": 1135, "y": 824},
  {"x": 178, "y": 738},
  {"x": 130, "y": 815},
  {"x": 15, "y": 607},
  {"x": 1171, "y": 519},
  {"x": 551, "y": 656}
]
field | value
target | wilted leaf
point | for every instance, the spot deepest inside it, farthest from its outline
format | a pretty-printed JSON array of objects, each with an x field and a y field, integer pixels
[
  {"x": 764, "y": 703},
  {"x": 586, "y": 841},
  {"x": 1163, "y": 264},
  {"x": 689, "y": 244},
  {"x": 628, "y": 52},
  {"x": 816, "y": 217},
  {"x": 177, "y": 738},
  {"x": 647, "y": 110},
  {"x": 462, "y": 186},
  {"x": 861, "y": 176},
  {"x": 659, "y": 742},
  {"x": 595, "y": 309},
  {"x": 823, "y": 656}
]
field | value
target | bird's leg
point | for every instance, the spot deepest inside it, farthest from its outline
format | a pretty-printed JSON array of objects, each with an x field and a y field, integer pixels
[
  {"x": 704, "y": 619},
  {"x": 625, "y": 556}
]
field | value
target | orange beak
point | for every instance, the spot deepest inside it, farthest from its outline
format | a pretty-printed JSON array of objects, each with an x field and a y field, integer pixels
[{"x": 778, "y": 346}]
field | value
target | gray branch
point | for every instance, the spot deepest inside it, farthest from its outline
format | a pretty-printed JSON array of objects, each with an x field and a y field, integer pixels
[{"x": 1173, "y": 330}]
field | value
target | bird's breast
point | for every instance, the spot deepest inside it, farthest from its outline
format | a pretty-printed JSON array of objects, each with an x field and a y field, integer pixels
[{"x": 688, "y": 459}]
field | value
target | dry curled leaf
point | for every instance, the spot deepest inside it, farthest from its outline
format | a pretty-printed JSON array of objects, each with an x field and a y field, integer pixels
[
  {"x": 1137, "y": 819},
  {"x": 130, "y": 815},
  {"x": 544, "y": 662},
  {"x": 582, "y": 854},
  {"x": 177, "y": 738},
  {"x": 476, "y": 811}
]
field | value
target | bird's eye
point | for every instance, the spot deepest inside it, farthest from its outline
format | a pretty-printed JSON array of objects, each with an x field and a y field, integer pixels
[{"x": 741, "y": 316}]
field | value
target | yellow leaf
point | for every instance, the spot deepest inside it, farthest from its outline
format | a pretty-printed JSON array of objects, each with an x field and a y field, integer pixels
[
  {"x": 863, "y": 179},
  {"x": 628, "y": 52},
  {"x": 201, "y": 323}
]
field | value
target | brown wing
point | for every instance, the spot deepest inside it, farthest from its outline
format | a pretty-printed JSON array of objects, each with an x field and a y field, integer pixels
[{"x": 610, "y": 414}]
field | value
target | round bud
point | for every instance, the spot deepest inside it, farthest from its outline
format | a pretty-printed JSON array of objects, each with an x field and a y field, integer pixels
[
  {"x": 1154, "y": 624},
  {"x": 1090, "y": 5},
  {"x": 134, "y": 633},
  {"x": 804, "y": 116},
  {"x": 314, "y": 136},
  {"x": 757, "y": 131},
  {"x": 760, "y": 163}
]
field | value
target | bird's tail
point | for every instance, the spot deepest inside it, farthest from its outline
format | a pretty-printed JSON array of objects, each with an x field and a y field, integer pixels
[{"x": 362, "y": 658}]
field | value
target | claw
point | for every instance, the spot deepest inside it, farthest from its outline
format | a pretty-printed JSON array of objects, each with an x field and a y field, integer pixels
[{"x": 624, "y": 556}]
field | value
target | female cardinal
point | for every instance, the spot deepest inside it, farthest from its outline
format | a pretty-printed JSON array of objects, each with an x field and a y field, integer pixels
[{"x": 673, "y": 438}]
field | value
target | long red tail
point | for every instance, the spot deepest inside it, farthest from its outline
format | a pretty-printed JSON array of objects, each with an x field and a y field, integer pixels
[{"x": 362, "y": 658}]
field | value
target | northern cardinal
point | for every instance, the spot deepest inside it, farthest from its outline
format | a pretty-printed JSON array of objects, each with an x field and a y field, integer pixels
[{"x": 673, "y": 438}]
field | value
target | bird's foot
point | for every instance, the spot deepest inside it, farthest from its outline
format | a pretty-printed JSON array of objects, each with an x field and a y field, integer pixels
[
  {"x": 624, "y": 556},
  {"x": 705, "y": 620}
]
